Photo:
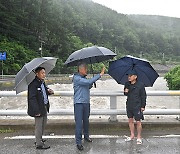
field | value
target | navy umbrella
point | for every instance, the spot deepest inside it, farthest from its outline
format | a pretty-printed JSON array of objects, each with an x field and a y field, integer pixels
[
  {"x": 89, "y": 55},
  {"x": 118, "y": 69}
]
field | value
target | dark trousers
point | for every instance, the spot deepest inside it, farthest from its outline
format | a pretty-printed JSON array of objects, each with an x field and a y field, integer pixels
[{"x": 81, "y": 113}]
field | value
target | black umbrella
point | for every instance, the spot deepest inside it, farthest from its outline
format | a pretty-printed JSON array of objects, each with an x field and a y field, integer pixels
[
  {"x": 119, "y": 69},
  {"x": 90, "y": 55}
]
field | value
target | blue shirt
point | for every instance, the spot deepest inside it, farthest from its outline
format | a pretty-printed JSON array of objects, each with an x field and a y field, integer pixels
[
  {"x": 44, "y": 94},
  {"x": 82, "y": 87}
]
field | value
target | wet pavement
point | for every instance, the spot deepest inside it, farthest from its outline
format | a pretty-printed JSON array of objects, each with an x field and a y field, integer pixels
[
  {"x": 108, "y": 138},
  {"x": 14, "y": 143}
]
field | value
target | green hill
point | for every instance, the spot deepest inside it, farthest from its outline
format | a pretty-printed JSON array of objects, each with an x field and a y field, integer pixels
[{"x": 68, "y": 25}]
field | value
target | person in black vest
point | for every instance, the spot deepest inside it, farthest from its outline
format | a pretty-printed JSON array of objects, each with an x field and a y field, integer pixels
[
  {"x": 38, "y": 105},
  {"x": 135, "y": 104}
]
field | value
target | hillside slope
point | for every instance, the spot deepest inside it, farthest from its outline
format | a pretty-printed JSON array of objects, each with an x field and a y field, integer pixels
[{"x": 65, "y": 26}]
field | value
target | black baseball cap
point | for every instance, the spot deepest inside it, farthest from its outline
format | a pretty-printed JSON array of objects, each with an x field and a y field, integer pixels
[{"x": 131, "y": 72}]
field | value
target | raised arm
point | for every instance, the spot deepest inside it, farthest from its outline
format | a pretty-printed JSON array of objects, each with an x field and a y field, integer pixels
[
  {"x": 84, "y": 81},
  {"x": 89, "y": 82}
]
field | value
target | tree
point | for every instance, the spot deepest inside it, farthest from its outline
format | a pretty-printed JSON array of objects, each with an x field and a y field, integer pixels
[{"x": 17, "y": 56}]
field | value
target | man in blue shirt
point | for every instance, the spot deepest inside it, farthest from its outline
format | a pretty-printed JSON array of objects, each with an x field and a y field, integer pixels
[{"x": 82, "y": 87}]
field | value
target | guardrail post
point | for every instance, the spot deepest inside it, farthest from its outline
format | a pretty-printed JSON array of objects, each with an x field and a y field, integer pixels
[{"x": 113, "y": 105}]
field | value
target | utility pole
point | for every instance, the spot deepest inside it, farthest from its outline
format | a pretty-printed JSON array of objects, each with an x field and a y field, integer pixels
[
  {"x": 40, "y": 48},
  {"x": 2, "y": 70},
  {"x": 141, "y": 54},
  {"x": 115, "y": 49},
  {"x": 163, "y": 55},
  {"x": 163, "y": 59}
]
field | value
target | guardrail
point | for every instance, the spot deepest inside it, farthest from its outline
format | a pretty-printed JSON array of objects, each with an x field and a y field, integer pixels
[{"x": 113, "y": 111}]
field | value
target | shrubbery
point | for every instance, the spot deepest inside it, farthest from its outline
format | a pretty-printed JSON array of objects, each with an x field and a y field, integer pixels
[{"x": 173, "y": 78}]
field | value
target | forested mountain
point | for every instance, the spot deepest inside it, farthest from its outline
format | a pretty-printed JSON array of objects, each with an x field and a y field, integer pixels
[
  {"x": 163, "y": 33},
  {"x": 63, "y": 26}
]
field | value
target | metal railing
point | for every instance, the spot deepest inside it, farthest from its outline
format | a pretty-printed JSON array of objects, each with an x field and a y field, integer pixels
[{"x": 113, "y": 111}]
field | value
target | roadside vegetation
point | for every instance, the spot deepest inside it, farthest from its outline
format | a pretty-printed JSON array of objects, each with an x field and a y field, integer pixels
[
  {"x": 6, "y": 130},
  {"x": 173, "y": 78}
]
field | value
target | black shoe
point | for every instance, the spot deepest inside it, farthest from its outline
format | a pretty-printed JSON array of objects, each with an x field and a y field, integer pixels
[
  {"x": 80, "y": 147},
  {"x": 43, "y": 141},
  {"x": 43, "y": 147},
  {"x": 88, "y": 139}
]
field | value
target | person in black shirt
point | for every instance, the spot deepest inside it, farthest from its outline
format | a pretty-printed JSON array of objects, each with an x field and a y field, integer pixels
[{"x": 135, "y": 104}]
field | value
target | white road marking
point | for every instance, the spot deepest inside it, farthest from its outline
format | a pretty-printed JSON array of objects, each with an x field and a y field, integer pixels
[
  {"x": 59, "y": 137},
  {"x": 72, "y": 137},
  {"x": 167, "y": 136}
]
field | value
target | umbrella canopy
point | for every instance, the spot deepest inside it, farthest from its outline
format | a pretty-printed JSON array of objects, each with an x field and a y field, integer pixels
[
  {"x": 26, "y": 75},
  {"x": 90, "y": 55},
  {"x": 118, "y": 70}
]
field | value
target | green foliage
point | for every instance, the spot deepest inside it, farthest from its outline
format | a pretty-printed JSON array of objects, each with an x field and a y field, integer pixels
[
  {"x": 17, "y": 56},
  {"x": 173, "y": 78},
  {"x": 65, "y": 26}
]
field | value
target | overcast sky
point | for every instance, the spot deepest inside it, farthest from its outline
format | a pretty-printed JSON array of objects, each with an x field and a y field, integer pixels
[{"x": 149, "y": 7}]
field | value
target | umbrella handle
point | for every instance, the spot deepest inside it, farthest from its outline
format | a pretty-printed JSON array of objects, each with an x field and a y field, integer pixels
[
  {"x": 94, "y": 84},
  {"x": 93, "y": 74}
]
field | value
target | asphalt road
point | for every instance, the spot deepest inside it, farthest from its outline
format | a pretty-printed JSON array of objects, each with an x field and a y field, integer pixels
[{"x": 154, "y": 142}]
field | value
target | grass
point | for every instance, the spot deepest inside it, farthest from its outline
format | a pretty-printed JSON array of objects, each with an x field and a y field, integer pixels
[
  {"x": 6, "y": 130},
  {"x": 6, "y": 85}
]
